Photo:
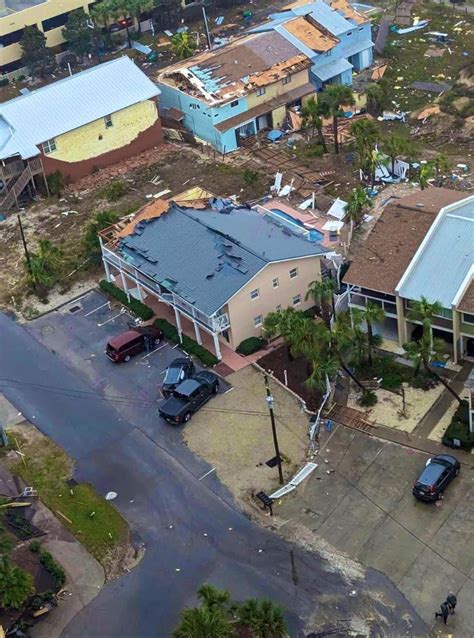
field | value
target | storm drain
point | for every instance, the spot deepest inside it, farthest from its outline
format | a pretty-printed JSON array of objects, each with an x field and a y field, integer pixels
[{"x": 75, "y": 309}]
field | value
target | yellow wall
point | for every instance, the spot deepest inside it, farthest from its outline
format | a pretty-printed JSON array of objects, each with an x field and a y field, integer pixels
[
  {"x": 278, "y": 116},
  {"x": 85, "y": 143},
  {"x": 35, "y": 15},
  {"x": 278, "y": 88}
]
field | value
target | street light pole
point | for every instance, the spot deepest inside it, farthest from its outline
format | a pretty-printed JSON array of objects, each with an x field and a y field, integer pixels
[{"x": 274, "y": 432}]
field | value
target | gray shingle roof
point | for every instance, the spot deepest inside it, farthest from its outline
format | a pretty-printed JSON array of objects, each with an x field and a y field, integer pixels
[
  {"x": 28, "y": 120},
  {"x": 209, "y": 255}
]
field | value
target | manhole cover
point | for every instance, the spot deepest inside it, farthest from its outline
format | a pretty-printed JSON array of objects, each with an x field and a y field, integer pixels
[{"x": 74, "y": 309}]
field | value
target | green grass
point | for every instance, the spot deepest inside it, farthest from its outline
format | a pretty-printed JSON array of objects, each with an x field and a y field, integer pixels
[
  {"x": 406, "y": 59},
  {"x": 47, "y": 467}
]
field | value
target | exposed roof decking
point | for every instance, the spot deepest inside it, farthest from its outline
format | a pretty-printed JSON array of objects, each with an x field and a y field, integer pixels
[
  {"x": 310, "y": 35},
  {"x": 348, "y": 10}
]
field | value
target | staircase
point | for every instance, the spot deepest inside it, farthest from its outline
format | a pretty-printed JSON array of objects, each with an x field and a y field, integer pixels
[{"x": 14, "y": 189}]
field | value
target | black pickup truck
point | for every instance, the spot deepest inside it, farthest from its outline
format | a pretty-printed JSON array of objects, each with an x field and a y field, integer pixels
[{"x": 188, "y": 397}]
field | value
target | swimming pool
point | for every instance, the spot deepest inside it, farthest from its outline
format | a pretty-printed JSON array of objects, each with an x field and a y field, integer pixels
[{"x": 313, "y": 235}]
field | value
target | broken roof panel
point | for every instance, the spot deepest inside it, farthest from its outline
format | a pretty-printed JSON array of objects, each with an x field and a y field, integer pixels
[
  {"x": 306, "y": 30},
  {"x": 350, "y": 13},
  {"x": 331, "y": 69}
]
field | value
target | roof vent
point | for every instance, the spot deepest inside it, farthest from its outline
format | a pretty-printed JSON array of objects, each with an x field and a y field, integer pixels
[
  {"x": 420, "y": 205},
  {"x": 210, "y": 275}
]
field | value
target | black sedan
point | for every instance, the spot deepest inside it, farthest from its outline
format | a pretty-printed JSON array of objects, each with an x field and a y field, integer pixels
[
  {"x": 435, "y": 478},
  {"x": 177, "y": 371},
  {"x": 188, "y": 397}
]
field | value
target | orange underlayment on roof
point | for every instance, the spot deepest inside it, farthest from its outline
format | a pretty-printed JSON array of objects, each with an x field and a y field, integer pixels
[
  {"x": 150, "y": 211},
  {"x": 309, "y": 34},
  {"x": 279, "y": 70}
]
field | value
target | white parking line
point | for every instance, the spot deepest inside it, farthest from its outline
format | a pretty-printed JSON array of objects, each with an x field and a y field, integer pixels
[
  {"x": 107, "y": 303},
  {"x": 122, "y": 311},
  {"x": 155, "y": 350},
  {"x": 207, "y": 473}
]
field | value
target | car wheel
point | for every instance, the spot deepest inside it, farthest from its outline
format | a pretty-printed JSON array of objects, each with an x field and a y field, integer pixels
[
  {"x": 157, "y": 342},
  {"x": 127, "y": 358},
  {"x": 215, "y": 388},
  {"x": 187, "y": 417}
]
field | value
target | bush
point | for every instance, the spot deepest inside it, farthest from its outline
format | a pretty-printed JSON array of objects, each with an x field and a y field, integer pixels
[
  {"x": 53, "y": 568},
  {"x": 250, "y": 177},
  {"x": 4, "y": 81},
  {"x": 114, "y": 191},
  {"x": 35, "y": 547},
  {"x": 90, "y": 240},
  {"x": 250, "y": 345},
  {"x": 55, "y": 183},
  {"x": 137, "y": 307},
  {"x": 189, "y": 345},
  {"x": 459, "y": 429},
  {"x": 367, "y": 399}
]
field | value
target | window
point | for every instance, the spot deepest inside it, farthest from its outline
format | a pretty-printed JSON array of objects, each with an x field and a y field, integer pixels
[
  {"x": 194, "y": 106},
  {"x": 293, "y": 273},
  {"x": 275, "y": 282},
  {"x": 49, "y": 146},
  {"x": 296, "y": 300},
  {"x": 467, "y": 318},
  {"x": 329, "y": 52},
  {"x": 55, "y": 22},
  {"x": 108, "y": 121},
  {"x": 261, "y": 91},
  {"x": 258, "y": 321},
  {"x": 361, "y": 28},
  {"x": 287, "y": 79},
  {"x": 11, "y": 38},
  {"x": 349, "y": 33},
  {"x": 278, "y": 308},
  {"x": 234, "y": 104},
  {"x": 255, "y": 294}
]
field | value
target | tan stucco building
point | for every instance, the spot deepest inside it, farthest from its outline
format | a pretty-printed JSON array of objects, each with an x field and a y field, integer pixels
[{"x": 220, "y": 266}]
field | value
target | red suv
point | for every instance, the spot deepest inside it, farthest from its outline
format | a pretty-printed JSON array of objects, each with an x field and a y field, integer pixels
[{"x": 133, "y": 341}]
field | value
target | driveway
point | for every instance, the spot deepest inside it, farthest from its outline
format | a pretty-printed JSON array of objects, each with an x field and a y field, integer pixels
[
  {"x": 365, "y": 508},
  {"x": 105, "y": 417}
]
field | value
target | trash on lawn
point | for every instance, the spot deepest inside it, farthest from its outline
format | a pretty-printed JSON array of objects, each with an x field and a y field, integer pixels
[
  {"x": 219, "y": 20},
  {"x": 141, "y": 48},
  {"x": 431, "y": 87},
  {"x": 428, "y": 111},
  {"x": 295, "y": 481},
  {"x": 390, "y": 116},
  {"x": 110, "y": 496},
  {"x": 377, "y": 74},
  {"x": 417, "y": 26},
  {"x": 338, "y": 209},
  {"x": 168, "y": 33}
]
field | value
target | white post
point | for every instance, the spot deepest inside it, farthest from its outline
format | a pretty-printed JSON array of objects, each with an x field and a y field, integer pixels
[
  {"x": 197, "y": 332},
  {"x": 140, "y": 294},
  {"x": 107, "y": 269},
  {"x": 178, "y": 323},
  {"x": 124, "y": 284},
  {"x": 216, "y": 346},
  {"x": 286, "y": 377}
]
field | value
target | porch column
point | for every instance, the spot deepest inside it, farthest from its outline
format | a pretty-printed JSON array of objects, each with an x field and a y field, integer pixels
[
  {"x": 197, "y": 332},
  {"x": 457, "y": 351},
  {"x": 178, "y": 323},
  {"x": 401, "y": 322},
  {"x": 124, "y": 284},
  {"x": 216, "y": 346},
  {"x": 107, "y": 269},
  {"x": 140, "y": 293}
]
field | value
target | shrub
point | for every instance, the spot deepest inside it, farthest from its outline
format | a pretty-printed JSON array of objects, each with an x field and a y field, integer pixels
[
  {"x": 53, "y": 568},
  {"x": 4, "y": 81},
  {"x": 459, "y": 429},
  {"x": 15, "y": 585},
  {"x": 250, "y": 177},
  {"x": 35, "y": 547},
  {"x": 114, "y": 191},
  {"x": 250, "y": 345},
  {"x": 20, "y": 78},
  {"x": 367, "y": 399},
  {"x": 189, "y": 345},
  {"x": 55, "y": 183},
  {"x": 137, "y": 307},
  {"x": 90, "y": 239}
]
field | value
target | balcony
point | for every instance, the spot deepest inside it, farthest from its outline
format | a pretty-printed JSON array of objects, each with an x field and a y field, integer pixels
[{"x": 359, "y": 301}]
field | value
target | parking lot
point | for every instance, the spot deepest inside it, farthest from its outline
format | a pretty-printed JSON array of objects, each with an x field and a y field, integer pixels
[
  {"x": 364, "y": 507},
  {"x": 78, "y": 333}
]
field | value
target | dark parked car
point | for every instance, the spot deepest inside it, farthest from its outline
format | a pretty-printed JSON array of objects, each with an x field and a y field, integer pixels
[
  {"x": 188, "y": 397},
  {"x": 435, "y": 478},
  {"x": 124, "y": 346},
  {"x": 177, "y": 371}
]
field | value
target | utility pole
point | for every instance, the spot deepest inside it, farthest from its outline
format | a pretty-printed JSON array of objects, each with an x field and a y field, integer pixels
[
  {"x": 274, "y": 432},
  {"x": 209, "y": 44},
  {"x": 25, "y": 247}
]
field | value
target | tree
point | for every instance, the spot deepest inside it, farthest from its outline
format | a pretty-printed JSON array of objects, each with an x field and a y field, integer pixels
[
  {"x": 102, "y": 13},
  {"x": 348, "y": 341},
  {"x": 283, "y": 323},
  {"x": 424, "y": 310},
  {"x": 183, "y": 45},
  {"x": 358, "y": 202},
  {"x": 78, "y": 34},
  {"x": 425, "y": 174},
  {"x": 36, "y": 55},
  {"x": 441, "y": 165},
  {"x": 310, "y": 114},
  {"x": 203, "y": 622},
  {"x": 15, "y": 585},
  {"x": 263, "y": 617},
  {"x": 137, "y": 7},
  {"x": 370, "y": 314},
  {"x": 366, "y": 134},
  {"x": 45, "y": 264},
  {"x": 322, "y": 369},
  {"x": 213, "y": 598},
  {"x": 376, "y": 98},
  {"x": 90, "y": 241},
  {"x": 332, "y": 98},
  {"x": 322, "y": 291},
  {"x": 394, "y": 146}
]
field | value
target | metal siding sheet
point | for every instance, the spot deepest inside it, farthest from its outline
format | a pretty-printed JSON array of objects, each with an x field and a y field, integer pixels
[{"x": 331, "y": 69}]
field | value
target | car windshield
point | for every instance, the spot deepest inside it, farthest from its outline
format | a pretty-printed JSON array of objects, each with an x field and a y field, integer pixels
[
  {"x": 430, "y": 474},
  {"x": 173, "y": 374},
  {"x": 180, "y": 395}
]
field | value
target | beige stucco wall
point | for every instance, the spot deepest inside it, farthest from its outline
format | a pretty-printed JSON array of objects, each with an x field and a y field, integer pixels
[
  {"x": 242, "y": 309},
  {"x": 94, "y": 139},
  {"x": 35, "y": 15},
  {"x": 278, "y": 88}
]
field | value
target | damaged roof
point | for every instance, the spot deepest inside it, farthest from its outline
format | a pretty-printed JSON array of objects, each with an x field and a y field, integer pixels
[
  {"x": 312, "y": 35},
  {"x": 237, "y": 69},
  {"x": 205, "y": 257}
]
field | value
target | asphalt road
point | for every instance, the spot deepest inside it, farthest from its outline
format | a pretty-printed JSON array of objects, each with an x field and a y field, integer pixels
[{"x": 192, "y": 531}]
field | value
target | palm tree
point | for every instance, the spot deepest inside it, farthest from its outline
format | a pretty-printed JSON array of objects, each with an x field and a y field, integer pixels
[
  {"x": 321, "y": 370},
  {"x": 376, "y": 98},
  {"x": 366, "y": 134},
  {"x": 425, "y": 174},
  {"x": 348, "y": 341},
  {"x": 283, "y": 323},
  {"x": 394, "y": 146},
  {"x": 372, "y": 313},
  {"x": 356, "y": 206},
  {"x": 311, "y": 119},
  {"x": 137, "y": 7},
  {"x": 183, "y": 45},
  {"x": 263, "y": 617},
  {"x": 203, "y": 622},
  {"x": 424, "y": 311},
  {"x": 330, "y": 101},
  {"x": 102, "y": 13},
  {"x": 322, "y": 291},
  {"x": 213, "y": 598}
]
